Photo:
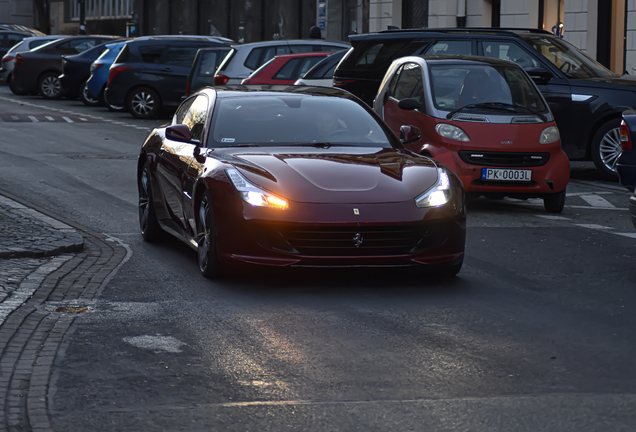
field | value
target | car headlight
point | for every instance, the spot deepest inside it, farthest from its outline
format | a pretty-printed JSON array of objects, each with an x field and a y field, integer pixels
[
  {"x": 549, "y": 135},
  {"x": 253, "y": 194},
  {"x": 451, "y": 132},
  {"x": 438, "y": 195}
]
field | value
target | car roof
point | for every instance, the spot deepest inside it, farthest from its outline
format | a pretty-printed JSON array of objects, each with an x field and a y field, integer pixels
[
  {"x": 241, "y": 90},
  {"x": 289, "y": 41},
  {"x": 417, "y": 33}
]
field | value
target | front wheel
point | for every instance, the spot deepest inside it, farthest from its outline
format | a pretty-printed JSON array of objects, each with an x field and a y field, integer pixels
[
  {"x": 49, "y": 86},
  {"x": 150, "y": 229},
  {"x": 143, "y": 103},
  {"x": 206, "y": 240},
  {"x": 87, "y": 98},
  {"x": 606, "y": 148},
  {"x": 554, "y": 203}
]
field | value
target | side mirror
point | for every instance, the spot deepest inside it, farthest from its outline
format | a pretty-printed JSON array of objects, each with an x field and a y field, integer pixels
[
  {"x": 179, "y": 132},
  {"x": 539, "y": 75},
  {"x": 409, "y": 134},
  {"x": 409, "y": 105}
]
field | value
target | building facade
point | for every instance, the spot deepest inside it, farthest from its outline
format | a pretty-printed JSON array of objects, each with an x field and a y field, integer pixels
[{"x": 604, "y": 29}]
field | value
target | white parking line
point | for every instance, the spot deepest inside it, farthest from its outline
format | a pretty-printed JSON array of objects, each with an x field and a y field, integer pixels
[
  {"x": 594, "y": 226},
  {"x": 34, "y": 120},
  {"x": 49, "y": 118},
  {"x": 15, "y": 117},
  {"x": 551, "y": 217},
  {"x": 630, "y": 235},
  {"x": 68, "y": 120},
  {"x": 596, "y": 201}
]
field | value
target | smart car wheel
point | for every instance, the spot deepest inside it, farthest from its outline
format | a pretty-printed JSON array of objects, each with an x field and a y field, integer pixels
[
  {"x": 554, "y": 203},
  {"x": 49, "y": 86},
  {"x": 143, "y": 103},
  {"x": 15, "y": 89},
  {"x": 150, "y": 229},
  {"x": 606, "y": 148},
  {"x": 87, "y": 98},
  {"x": 206, "y": 240}
]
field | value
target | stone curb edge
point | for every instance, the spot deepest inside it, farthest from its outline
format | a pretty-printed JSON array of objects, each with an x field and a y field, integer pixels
[{"x": 73, "y": 240}]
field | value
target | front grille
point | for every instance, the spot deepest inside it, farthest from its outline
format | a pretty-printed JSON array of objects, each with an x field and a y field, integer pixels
[
  {"x": 330, "y": 241},
  {"x": 504, "y": 159}
]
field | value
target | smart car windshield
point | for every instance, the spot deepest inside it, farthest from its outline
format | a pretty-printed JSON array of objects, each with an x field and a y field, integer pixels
[
  {"x": 566, "y": 57},
  {"x": 457, "y": 86},
  {"x": 274, "y": 120}
]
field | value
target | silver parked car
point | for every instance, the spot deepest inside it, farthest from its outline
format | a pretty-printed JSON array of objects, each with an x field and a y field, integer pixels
[
  {"x": 27, "y": 44},
  {"x": 244, "y": 59}
]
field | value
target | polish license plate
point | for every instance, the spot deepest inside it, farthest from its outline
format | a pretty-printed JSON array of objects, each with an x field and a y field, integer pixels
[{"x": 500, "y": 174}]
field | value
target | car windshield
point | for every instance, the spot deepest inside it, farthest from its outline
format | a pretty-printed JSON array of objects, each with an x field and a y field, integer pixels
[
  {"x": 494, "y": 87},
  {"x": 568, "y": 58},
  {"x": 266, "y": 120}
]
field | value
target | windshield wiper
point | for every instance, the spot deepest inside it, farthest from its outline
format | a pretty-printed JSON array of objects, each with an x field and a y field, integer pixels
[{"x": 498, "y": 106}]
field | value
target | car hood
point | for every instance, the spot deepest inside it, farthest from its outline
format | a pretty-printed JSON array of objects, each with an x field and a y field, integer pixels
[
  {"x": 611, "y": 82},
  {"x": 337, "y": 174}
]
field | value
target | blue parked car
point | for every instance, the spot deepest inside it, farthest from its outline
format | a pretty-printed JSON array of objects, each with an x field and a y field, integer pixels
[{"x": 99, "y": 73}]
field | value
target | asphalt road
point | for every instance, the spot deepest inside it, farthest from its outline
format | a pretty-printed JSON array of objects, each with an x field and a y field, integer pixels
[{"x": 535, "y": 334}]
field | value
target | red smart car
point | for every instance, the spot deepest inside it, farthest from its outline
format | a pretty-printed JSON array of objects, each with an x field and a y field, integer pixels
[{"x": 484, "y": 119}]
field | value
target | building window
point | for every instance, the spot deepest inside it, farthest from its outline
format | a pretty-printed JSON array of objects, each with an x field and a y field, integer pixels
[
  {"x": 414, "y": 14},
  {"x": 103, "y": 9}
]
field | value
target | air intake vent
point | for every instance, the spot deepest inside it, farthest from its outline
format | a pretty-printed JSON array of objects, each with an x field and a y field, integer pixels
[{"x": 525, "y": 120}]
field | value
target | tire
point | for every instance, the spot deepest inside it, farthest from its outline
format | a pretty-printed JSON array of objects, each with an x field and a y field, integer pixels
[
  {"x": 49, "y": 86},
  {"x": 143, "y": 103},
  {"x": 606, "y": 147},
  {"x": 554, "y": 203},
  {"x": 15, "y": 89},
  {"x": 206, "y": 240},
  {"x": 86, "y": 97},
  {"x": 150, "y": 228}
]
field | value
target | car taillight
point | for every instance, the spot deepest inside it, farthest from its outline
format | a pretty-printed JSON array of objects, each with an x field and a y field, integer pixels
[
  {"x": 7, "y": 59},
  {"x": 626, "y": 138},
  {"x": 114, "y": 71},
  {"x": 342, "y": 82},
  {"x": 18, "y": 60},
  {"x": 220, "y": 79},
  {"x": 96, "y": 66}
]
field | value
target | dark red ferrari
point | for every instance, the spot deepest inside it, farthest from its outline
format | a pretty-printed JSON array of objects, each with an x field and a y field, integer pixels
[{"x": 296, "y": 176}]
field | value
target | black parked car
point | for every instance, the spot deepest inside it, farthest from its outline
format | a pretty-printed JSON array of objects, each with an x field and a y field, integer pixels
[
  {"x": 205, "y": 64},
  {"x": 76, "y": 69},
  {"x": 37, "y": 71},
  {"x": 586, "y": 99},
  {"x": 150, "y": 74}
]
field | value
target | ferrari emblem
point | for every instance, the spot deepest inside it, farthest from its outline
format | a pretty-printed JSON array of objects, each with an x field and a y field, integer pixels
[{"x": 356, "y": 212}]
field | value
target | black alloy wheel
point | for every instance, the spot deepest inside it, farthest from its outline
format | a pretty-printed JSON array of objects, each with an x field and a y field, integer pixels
[
  {"x": 87, "y": 98},
  {"x": 554, "y": 203},
  {"x": 19, "y": 91},
  {"x": 49, "y": 86},
  {"x": 606, "y": 148},
  {"x": 206, "y": 240},
  {"x": 143, "y": 103},
  {"x": 150, "y": 229}
]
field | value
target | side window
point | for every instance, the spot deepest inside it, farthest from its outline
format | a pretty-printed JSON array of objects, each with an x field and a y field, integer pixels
[
  {"x": 295, "y": 49},
  {"x": 149, "y": 53},
  {"x": 409, "y": 83},
  {"x": 380, "y": 53},
  {"x": 509, "y": 51},
  {"x": 180, "y": 55},
  {"x": 307, "y": 64},
  {"x": 193, "y": 115},
  {"x": 182, "y": 111},
  {"x": 13, "y": 39},
  {"x": 450, "y": 47},
  {"x": 287, "y": 71},
  {"x": 253, "y": 60},
  {"x": 394, "y": 78}
]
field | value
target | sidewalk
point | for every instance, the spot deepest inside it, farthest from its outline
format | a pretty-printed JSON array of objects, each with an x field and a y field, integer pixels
[
  {"x": 49, "y": 271},
  {"x": 26, "y": 233}
]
